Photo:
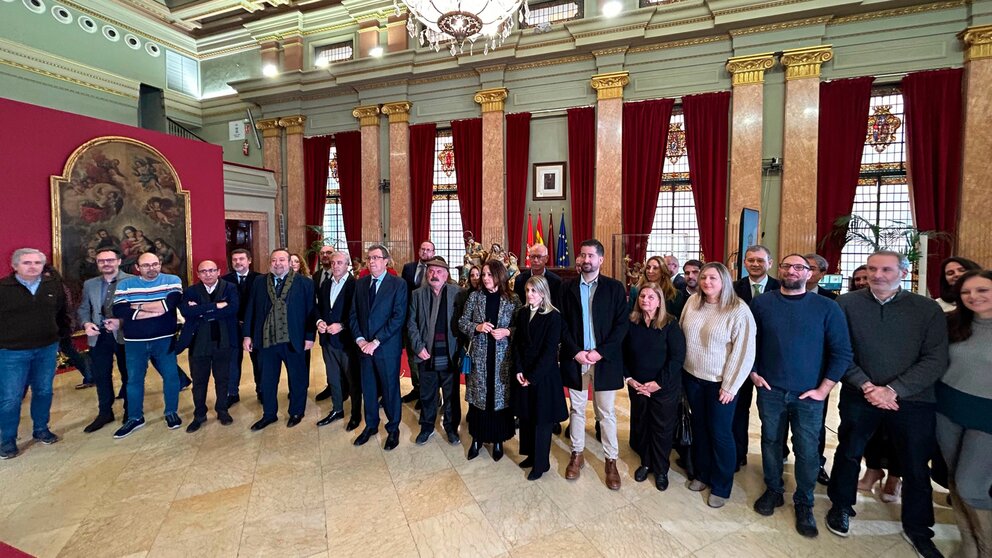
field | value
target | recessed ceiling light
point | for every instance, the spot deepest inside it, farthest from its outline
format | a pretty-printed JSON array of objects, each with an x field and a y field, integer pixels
[
  {"x": 612, "y": 8},
  {"x": 270, "y": 70},
  {"x": 375, "y": 52}
]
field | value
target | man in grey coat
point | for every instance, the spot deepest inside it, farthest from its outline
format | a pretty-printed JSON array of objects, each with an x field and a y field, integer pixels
[{"x": 434, "y": 307}]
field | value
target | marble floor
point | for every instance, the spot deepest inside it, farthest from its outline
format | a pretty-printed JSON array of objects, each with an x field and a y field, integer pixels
[{"x": 226, "y": 491}]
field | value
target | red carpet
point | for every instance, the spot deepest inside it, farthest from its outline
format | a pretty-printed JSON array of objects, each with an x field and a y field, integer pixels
[{"x": 7, "y": 551}]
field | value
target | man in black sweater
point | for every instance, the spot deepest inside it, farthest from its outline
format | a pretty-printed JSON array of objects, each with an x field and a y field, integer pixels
[{"x": 900, "y": 351}]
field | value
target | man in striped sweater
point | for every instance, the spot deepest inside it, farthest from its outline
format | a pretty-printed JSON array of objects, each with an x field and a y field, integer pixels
[{"x": 146, "y": 306}]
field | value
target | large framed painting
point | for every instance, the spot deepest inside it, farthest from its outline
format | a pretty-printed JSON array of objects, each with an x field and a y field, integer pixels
[{"x": 122, "y": 193}]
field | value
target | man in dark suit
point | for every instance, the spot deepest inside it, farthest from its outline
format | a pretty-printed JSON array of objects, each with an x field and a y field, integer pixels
[
  {"x": 243, "y": 278},
  {"x": 818, "y": 267},
  {"x": 538, "y": 257},
  {"x": 319, "y": 276},
  {"x": 594, "y": 309},
  {"x": 334, "y": 301},
  {"x": 672, "y": 263},
  {"x": 413, "y": 273},
  {"x": 210, "y": 308},
  {"x": 378, "y": 313},
  {"x": 280, "y": 325},
  {"x": 690, "y": 269},
  {"x": 757, "y": 261}
]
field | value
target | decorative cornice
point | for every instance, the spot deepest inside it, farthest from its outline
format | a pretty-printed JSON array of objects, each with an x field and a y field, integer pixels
[
  {"x": 269, "y": 127},
  {"x": 367, "y": 115},
  {"x": 780, "y": 26},
  {"x": 756, "y": 6},
  {"x": 977, "y": 41},
  {"x": 679, "y": 22},
  {"x": 493, "y": 68},
  {"x": 750, "y": 69},
  {"x": 492, "y": 100},
  {"x": 610, "y": 86},
  {"x": 294, "y": 124},
  {"x": 546, "y": 63},
  {"x": 609, "y": 51},
  {"x": 801, "y": 63},
  {"x": 899, "y": 11},
  {"x": 398, "y": 111},
  {"x": 679, "y": 44}
]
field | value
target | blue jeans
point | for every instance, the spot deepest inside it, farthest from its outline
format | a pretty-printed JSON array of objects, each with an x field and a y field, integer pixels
[
  {"x": 714, "y": 453},
  {"x": 778, "y": 410},
  {"x": 18, "y": 370},
  {"x": 163, "y": 357}
]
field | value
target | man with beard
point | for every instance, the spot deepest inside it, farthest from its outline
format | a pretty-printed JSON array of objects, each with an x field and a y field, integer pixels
[
  {"x": 243, "y": 277},
  {"x": 414, "y": 274},
  {"x": 690, "y": 269}
]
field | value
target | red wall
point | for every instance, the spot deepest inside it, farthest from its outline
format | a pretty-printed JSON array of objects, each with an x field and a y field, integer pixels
[{"x": 35, "y": 143}]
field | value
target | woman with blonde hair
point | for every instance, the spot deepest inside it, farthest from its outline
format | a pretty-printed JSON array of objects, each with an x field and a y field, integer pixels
[
  {"x": 538, "y": 388},
  {"x": 299, "y": 265},
  {"x": 653, "y": 354},
  {"x": 720, "y": 349}
]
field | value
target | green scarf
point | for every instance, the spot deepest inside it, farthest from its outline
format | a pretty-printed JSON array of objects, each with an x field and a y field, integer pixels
[{"x": 275, "y": 330}]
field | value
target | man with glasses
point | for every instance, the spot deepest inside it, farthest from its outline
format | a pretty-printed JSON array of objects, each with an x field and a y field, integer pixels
[
  {"x": 538, "y": 257},
  {"x": 803, "y": 350},
  {"x": 414, "y": 273},
  {"x": 103, "y": 334},
  {"x": 818, "y": 267},
  {"x": 210, "y": 308},
  {"x": 146, "y": 306}
]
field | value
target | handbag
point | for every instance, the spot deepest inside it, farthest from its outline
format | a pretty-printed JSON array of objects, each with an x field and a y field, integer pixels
[
  {"x": 683, "y": 429},
  {"x": 466, "y": 357}
]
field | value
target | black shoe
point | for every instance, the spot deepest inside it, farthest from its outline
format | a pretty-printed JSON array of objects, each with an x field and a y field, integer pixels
[
  {"x": 822, "y": 477},
  {"x": 392, "y": 440},
  {"x": 294, "y": 420},
  {"x": 599, "y": 434},
  {"x": 45, "y": 437},
  {"x": 556, "y": 428},
  {"x": 120, "y": 394},
  {"x": 641, "y": 474},
  {"x": 661, "y": 481},
  {"x": 195, "y": 425},
  {"x": 923, "y": 546},
  {"x": 766, "y": 504},
  {"x": 473, "y": 450},
  {"x": 324, "y": 394},
  {"x": 9, "y": 450},
  {"x": 805, "y": 522},
  {"x": 418, "y": 405},
  {"x": 99, "y": 422},
  {"x": 453, "y": 438},
  {"x": 365, "y": 436},
  {"x": 424, "y": 436},
  {"x": 225, "y": 419},
  {"x": 331, "y": 417},
  {"x": 497, "y": 451},
  {"x": 352, "y": 424},
  {"x": 568, "y": 430},
  {"x": 173, "y": 421},
  {"x": 414, "y": 395},
  {"x": 233, "y": 400},
  {"x": 526, "y": 463},
  {"x": 534, "y": 475},
  {"x": 130, "y": 425},
  {"x": 262, "y": 423},
  {"x": 839, "y": 521}
]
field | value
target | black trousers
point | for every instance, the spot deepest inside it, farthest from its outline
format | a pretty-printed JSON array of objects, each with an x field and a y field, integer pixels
[
  {"x": 451, "y": 408},
  {"x": 535, "y": 441},
  {"x": 272, "y": 359},
  {"x": 381, "y": 377},
  {"x": 201, "y": 367},
  {"x": 742, "y": 419},
  {"x": 102, "y": 355},
  {"x": 256, "y": 370},
  {"x": 655, "y": 418},
  {"x": 353, "y": 386}
]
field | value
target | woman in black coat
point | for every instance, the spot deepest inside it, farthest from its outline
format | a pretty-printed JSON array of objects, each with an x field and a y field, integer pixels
[
  {"x": 539, "y": 398},
  {"x": 653, "y": 354}
]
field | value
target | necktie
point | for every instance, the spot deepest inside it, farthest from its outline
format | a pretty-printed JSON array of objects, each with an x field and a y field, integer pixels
[
  {"x": 278, "y": 286},
  {"x": 755, "y": 290},
  {"x": 326, "y": 277},
  {"x": 418, "y": 275},
  {"x": 241, "y": 280},
  {"x": 372, "y": 288}
]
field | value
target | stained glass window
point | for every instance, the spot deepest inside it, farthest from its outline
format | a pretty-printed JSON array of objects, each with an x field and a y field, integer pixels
[
  {"x": 446, "y": 220},
  {"x": 333, "y": 217},
  {"x": 674, "y": 230}
]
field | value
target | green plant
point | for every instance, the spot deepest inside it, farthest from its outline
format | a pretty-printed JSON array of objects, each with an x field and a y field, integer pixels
[{"x": 898, "y": 236}]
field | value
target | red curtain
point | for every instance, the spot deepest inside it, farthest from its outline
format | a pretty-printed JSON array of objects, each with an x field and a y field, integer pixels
[
  {"x": 582, "y": 171},
  {"x": 933, "y": 137},
  {"x": 422, "y": 140},
  {"x": 316, "y": 155},
  {"x": 645, "y": 130},
  {"x": 349, "y": 147},
  {"x": 843, "y": 124},
  {"x": 467, "y": 136},
  {"x": 517, "y": 159},
  {"x": 707, "y": 139}
]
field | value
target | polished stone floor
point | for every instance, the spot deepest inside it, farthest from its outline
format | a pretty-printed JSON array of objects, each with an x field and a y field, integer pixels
[{"x": 226, "y": 491}]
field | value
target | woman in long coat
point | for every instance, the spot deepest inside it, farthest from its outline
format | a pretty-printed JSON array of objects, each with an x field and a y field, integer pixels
[{"x": 487, "y": 320}]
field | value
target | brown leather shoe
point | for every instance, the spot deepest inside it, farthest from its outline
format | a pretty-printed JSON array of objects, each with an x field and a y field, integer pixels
[
  {"x": 612, "y": 475},
  {"x": 574, "y": 464}
]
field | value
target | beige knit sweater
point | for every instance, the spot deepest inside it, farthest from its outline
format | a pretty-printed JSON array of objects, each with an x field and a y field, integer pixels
[{"x": 720, "y": 344}]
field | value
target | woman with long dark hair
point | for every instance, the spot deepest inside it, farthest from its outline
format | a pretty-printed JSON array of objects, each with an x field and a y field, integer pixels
[{"x": 951, "y": 270}]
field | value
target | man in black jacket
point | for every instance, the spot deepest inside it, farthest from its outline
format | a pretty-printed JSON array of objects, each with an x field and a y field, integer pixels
[
  {"x": 538, "y": 257},
  {"x": 337, "y": 342},
  {"x": 413, "y": 273},
  {"x": 243, "y": 277},
  {"x": 594, "y": 309}
]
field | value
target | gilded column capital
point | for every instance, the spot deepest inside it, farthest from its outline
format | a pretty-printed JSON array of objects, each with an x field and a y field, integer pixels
[
  {"x": 293, "y": 124},
  {"x": 805, "y": 62},
  {"x": 269, "y": 127},
  {"x": 977, "y": 41},
  {"x": 398, "y": 111},
  {"x": 492, "y": 100},
  {"x": 367, "y": 115},
  {"x": 750, "y": 69},
  {"x": 610, "y": 86}
]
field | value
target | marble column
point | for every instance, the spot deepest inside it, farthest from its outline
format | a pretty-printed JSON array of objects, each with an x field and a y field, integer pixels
[
  {"x": 973, "y": 240},
  {"x": 399, "y": 181},
  {"x": 368, "y": 118},
  {"x": 272, "y": 160},
  {"x": 296, "y": 224},
  {"x": 493, "y": 167},
  {"x": 606, "y": 211},
  {"x": 797, "y": 218},
  {"x": 745, "y": 139}
]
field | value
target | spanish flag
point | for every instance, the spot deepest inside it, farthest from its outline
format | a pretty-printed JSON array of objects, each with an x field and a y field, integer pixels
[
  {"x": 530, "y": 232},
  {"x": 539, "y": 239}
]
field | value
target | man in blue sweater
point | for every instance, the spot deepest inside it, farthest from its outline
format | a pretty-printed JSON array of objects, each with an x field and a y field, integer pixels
[
  {"x": 803, "y": 350},
  {"x": 146, "y": 306}
]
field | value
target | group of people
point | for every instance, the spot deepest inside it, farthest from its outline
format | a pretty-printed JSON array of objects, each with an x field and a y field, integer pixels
[{"x": 688, "y": 348}]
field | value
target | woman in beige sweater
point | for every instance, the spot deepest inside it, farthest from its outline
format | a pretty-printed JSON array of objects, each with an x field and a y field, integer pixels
[{"x": 720, "y": 348}]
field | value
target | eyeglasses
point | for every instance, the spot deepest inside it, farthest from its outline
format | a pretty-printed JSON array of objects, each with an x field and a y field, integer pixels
[
  {"x": 150, "y": 265},
  {"x": 207, "y": 270},
  {"x": 793, "y": 267},
  {"x": 538, "y": 256},
  {"x": 377, "y": 257},
  {"x": 111, "y": 260}
]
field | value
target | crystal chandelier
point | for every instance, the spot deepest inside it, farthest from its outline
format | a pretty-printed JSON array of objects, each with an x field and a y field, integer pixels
[{"x": 452, "y": 22}]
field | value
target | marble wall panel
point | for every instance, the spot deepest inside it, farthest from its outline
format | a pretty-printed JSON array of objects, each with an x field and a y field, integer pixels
[
  {"x": 976, "y": 205},
  {"x": 797, "y": 223},
  {"x": 609, "y": 158},
  {"x": 745, "y": 157}
]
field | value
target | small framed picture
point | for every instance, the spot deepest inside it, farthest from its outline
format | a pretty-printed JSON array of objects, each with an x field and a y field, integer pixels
[{"x": 549, "y": 181}]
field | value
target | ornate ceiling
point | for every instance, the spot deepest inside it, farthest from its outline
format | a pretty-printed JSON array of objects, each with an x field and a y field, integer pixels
[{"x": 201, "y": 18}]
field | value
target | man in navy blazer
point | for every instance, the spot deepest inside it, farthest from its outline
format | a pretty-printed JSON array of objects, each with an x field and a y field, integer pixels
[
  {"x": 280, "y": 324},
  {"x": 334, "y": 300},
  {"x": 378, "y": 313},
  {"x": 243, "y": 277}
]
